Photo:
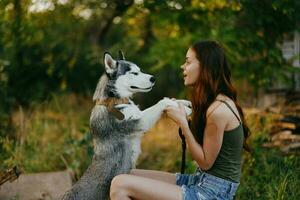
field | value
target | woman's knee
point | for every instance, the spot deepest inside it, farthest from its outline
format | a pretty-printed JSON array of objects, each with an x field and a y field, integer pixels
[
  {"x": 134, "y": 171},
  {"x": 118, "y": 186},
  {"x": 119, "y": 181}
]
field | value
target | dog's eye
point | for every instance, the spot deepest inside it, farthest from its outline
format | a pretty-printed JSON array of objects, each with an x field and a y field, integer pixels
[{"x": 134, "y": 73}]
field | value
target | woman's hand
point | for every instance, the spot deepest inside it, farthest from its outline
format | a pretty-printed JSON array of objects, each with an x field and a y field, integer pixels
[{"x": 177, "y": 114}]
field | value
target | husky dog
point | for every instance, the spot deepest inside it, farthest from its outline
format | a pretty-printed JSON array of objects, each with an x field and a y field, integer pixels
[{"x": 117, "y": 125}]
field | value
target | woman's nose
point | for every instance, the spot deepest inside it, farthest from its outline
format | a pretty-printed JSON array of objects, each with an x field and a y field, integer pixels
[{"x": 182, "y": 66}]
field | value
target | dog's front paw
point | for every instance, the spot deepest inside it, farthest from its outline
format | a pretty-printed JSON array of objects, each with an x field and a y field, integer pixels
[
  {"x": 184, "y": 102},
  {"x": 167, "y": 102},
  {"x": 188, "y": 110},
  {"x": 187, "y": 106}
]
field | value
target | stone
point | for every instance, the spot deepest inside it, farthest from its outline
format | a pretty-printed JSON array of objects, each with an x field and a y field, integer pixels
[{"x": 37, "y": 186}]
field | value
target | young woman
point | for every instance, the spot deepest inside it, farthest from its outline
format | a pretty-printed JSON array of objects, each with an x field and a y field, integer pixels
[{"x": 215, "y": 139}]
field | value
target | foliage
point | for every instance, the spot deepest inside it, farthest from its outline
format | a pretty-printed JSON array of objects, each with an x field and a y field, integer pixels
[
  {"x": 262, "y": 25},
  {"x": 59, "y": 48}
]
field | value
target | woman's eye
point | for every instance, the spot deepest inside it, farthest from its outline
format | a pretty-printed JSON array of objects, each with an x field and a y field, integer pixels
[{"x": 134, "y": 73}]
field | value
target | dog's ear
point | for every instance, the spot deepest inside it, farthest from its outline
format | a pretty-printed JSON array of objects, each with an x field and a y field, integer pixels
[
  {"x": 121, "y": 55},
  {"x": 109, "y": 63}
]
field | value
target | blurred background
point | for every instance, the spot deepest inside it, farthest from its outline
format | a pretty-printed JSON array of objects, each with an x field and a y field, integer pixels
[{"x": 51, "y": 55}]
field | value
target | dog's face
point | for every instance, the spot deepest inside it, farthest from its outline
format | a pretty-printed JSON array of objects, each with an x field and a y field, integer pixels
[{"x": 127, "y": 77}]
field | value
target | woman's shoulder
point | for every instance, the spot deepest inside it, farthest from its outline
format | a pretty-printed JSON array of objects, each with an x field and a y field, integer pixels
[
  {"x": 216, "y": 110},
  {"x": 219, "y": 109}
]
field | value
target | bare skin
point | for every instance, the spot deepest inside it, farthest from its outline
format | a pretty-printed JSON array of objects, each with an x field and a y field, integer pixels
[
  {"x": 145, "y": 184},
  {"x": 156, "y": 175}
]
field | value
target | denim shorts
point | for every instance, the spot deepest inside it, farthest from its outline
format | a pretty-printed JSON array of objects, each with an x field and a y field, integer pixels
[{"x": 202, "y": 186}]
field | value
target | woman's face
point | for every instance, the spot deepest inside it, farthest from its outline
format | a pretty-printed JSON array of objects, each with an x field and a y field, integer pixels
[{"x": 191, "y": 68}]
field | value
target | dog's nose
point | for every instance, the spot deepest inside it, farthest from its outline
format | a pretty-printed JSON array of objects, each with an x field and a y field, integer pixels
[{"x": 152, "y": 79}]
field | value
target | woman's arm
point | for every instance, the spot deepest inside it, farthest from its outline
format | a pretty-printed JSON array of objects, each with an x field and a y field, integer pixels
[{"x": 206, "y": 154}]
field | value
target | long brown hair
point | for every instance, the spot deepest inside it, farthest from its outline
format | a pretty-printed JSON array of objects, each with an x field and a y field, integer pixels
[{"x": 214, "y": 78}]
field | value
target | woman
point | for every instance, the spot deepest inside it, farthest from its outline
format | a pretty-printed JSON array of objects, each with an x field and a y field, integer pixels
[{"x": 215, "y": 139}]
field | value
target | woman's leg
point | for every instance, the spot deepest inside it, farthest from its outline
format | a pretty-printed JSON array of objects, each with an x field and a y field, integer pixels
[
  {"x": 157, "y": 175},
  {"x": 127, "y": 186}
]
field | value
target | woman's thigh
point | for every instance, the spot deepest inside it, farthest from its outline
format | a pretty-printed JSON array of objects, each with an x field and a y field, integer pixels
[
  {"x": 143, "y": 188},
  {"x": 157, "y": 175}
]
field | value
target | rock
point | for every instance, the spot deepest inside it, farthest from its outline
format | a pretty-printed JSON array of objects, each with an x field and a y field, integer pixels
[{"x": 37, "y": 186}]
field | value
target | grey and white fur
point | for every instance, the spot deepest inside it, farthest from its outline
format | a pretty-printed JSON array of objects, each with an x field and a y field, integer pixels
[{"x": 117, "y": 142}]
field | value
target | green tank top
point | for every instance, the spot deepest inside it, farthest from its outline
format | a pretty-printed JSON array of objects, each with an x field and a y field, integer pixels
[{"x": 229, "y": 160}]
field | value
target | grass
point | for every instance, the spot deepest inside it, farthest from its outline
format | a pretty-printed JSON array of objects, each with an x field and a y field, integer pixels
[
  {"x": 50, "y": 136},
  {"x": 55, "y": 135}
]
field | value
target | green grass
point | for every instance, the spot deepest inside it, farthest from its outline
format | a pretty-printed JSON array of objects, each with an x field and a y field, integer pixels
[
  {"x": 50, "y": 136},
  {"x": 268, "y": 173},
  {"x": 55, "y": 136}
]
